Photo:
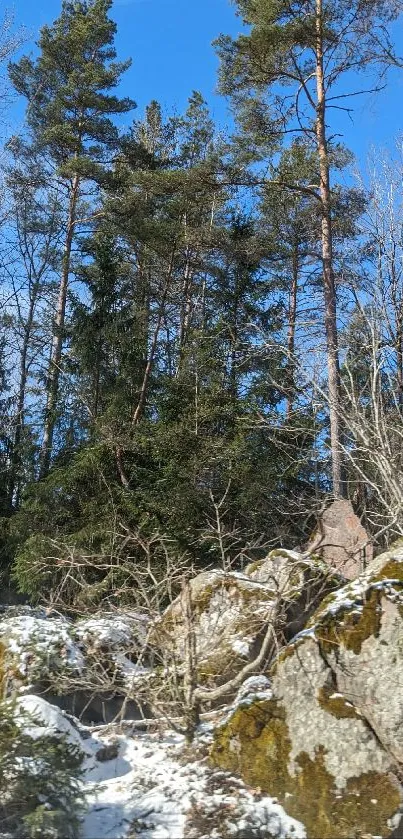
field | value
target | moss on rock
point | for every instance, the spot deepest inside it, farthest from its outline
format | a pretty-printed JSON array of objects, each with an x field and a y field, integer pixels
[
  {"x": 3, "y": 671},
  {"x": 392, "y": 570},
  {"x": 336, "y": 704},
  {"x": 350, "y": 627},
  {"x": 255, "y": 743}
]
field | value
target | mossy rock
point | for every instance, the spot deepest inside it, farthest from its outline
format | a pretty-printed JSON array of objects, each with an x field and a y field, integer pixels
[
  {"x": 3, "y": 684},
  {"x": 256, "y": 744},
  {"x": 230, "y": 616},
  {"x": 388, "y": 565},
  {"x": 392, "y": 570},
  {"x": 336, "y": 704},
  {"x": 350, "y": 627},
  {"x": 302, "y": 583},
  {"x": 362, "y": 642}
]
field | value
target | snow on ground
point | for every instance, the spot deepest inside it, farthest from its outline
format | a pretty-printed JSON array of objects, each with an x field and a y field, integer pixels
[{"x": 153, "y": 790}]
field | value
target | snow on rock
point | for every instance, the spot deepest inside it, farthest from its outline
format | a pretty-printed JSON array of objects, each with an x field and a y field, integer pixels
[
  {"x": 241, "y": 646},
  {"x": 120, "y": 637},
  {"x": 53, "y": 652},
  {"x": 254, "y": 686},
  {"x": 35, "y": 646},
  {"x": 45, "y": 720},
  {"x": 154, "y": 789},
  {"x": 126, "y": 629}
]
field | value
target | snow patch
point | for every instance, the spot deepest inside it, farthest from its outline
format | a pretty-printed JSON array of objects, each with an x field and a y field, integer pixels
[
  {"x": 113, "y": 630},
  {"x": 150, "y": 790},
  {"x": 48, "y": 721},
  {"x": 241, "y": 646},
  {"x": 29, "y": 638}
]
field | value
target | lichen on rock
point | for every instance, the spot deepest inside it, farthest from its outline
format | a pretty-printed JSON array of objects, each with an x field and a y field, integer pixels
[{"x": 328, "y": 739}]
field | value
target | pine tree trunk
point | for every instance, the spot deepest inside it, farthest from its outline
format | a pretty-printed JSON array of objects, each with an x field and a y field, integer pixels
[
  {"x": 138, "y": 412},
  {"x": 327, "y": 259},
  {"x": 15, "y": 478},
  {"x": 185, "y": 308},
  {"x": 52, "y": 387},
  {"x": 292, "y": 316}
]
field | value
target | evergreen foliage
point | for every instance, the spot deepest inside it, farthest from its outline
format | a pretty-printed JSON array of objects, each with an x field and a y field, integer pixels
[
  {"x": 39, "y": 781},
  {"x": 174, "y": 394}
]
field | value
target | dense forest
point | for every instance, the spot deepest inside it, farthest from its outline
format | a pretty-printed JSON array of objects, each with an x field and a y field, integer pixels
[{"x": 201, "y": 335}]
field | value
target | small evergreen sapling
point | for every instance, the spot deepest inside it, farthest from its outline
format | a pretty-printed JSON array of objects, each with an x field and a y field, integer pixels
[{"x": 39, "y": 781}]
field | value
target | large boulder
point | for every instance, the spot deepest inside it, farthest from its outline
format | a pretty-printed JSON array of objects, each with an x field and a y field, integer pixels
[
  {"x": 326, "y": 736},
  {"x": 89, "y": 668},
  {"x": 231, "y": 612},
  {"x": 341, "y": 540},
  {"x": 300, "y": 582},
  {"x": 360, "y": 634}
]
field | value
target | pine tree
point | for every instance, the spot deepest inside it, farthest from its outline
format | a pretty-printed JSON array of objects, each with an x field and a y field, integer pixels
[
  {"x": 69, "y": 110},
  {"x": 306, "y": 47}
]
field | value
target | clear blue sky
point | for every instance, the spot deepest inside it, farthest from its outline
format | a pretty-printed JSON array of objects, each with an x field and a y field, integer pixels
[{"x": 170, "y": 43}]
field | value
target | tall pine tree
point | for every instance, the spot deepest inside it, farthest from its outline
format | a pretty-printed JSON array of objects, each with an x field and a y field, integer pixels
[
  {"x": 307, "y": 47},
  {"x": 69, "y": 109}
]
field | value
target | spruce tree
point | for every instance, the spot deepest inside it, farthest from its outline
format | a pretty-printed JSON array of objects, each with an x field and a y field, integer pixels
[{"x": 70, "y": 103}]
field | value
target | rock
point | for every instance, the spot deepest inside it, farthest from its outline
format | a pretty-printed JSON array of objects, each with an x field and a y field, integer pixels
[
  {"x": 325, "y": 735},
  {"x": 360, "y": 632},
  {"x": 231, "y": 612},
  {"x": 108, "y": 752},
  {"x": 300, "y": 582},
  {"x": 84, "y": 668},
  {"x": 341, "y": 540}
]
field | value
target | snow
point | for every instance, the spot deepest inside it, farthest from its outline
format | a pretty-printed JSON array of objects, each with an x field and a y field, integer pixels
[
  {"x": 27, "y": 637},
  {"x": 155, "y": 788},
  {"x": 130, "y": 672},
  {"x": 241, "y": 646},
  {"x": 47, "y": 721},
  {"x": 113, "y": 630},
  {"x": 253, "y": 685},
  {"x": 150, "y": 789},
  {"x": 256, "y": 688},
  {"x": 305, "y": 633}
]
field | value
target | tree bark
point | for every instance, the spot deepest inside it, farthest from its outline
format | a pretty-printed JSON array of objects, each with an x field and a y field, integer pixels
[
  {"x": 15, "y": 477},
  {"x": 292, "y": 316},
  {"x": 185, "y": 308},
  {"x": 138, "y": 412},
  {"x": 399, "y": 360},
  {"x": 328, "y": 272},
  {"x": 52, "y": 385},
  {"x": 191, "y": 705}
]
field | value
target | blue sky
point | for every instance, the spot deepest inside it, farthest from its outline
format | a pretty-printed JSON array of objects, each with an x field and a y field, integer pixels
[{"x": 170, "y": 43}]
